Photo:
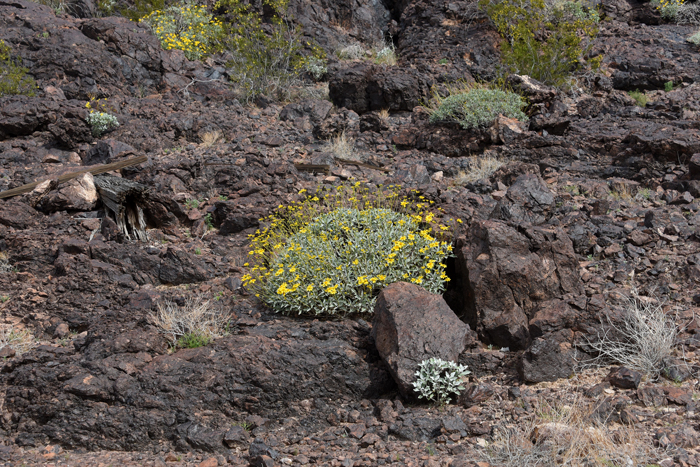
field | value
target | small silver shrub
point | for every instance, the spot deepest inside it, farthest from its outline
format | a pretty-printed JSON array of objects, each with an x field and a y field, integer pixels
[
  {"x": 438, "y": 380},
  {"x": 101, "y": 122}
]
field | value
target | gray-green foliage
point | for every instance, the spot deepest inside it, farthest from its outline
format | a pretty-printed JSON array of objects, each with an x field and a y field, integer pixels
[
  {"x": 479, "y": 107},
  {"x": 101, "y": 122},
  {"x": 438, "y": 380},
  {"x": 342, "y": 260},
  {"x": 694, "y": 39}
]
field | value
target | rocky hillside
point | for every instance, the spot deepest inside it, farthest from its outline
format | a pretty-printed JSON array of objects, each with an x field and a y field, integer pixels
[{"x": 596, "y": 197}]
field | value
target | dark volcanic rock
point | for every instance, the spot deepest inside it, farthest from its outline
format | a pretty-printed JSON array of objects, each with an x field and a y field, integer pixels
[
  {"x": 624, "y": 378},
  {"x": 125, "y": 392},
  {"x": 547, "y": 359},
  {"x": 528, "y": 201},
  {"x": 365, "y": 87},
  {"x": 412, "y": 325},
  {"x": 509, "y": 275}
]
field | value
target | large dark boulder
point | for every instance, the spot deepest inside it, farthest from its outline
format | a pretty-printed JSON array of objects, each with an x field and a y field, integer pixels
[
  {"x": 364, "y": 87},
  {"x": 510, "y": 277},
  {"x": 412, "y": 325}
]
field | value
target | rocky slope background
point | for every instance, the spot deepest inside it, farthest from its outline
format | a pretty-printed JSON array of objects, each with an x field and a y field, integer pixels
[{"x": 597, "y": 196}]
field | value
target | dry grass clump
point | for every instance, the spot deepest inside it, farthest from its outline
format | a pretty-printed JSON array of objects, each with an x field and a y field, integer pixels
[
  {"x": 479, "y": 168},
  {"x": 5, "y": 265},
  {"x": 383, "y": 115},
  {"x": 351, "y": 52},
  {"x": 19, "y": 340},
  {"x": 342, "y": 146},
  {"x": 561, "y": 434},
  {"x": 196, "y": 323},
  {"x": 210, "y": 138},
  {"x": 641, "y": 340}
]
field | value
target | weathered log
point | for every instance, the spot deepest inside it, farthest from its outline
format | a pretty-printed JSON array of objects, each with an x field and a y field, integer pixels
[
  {"x": 95, "y": 170},
  {"x": 123, "y": 199}
]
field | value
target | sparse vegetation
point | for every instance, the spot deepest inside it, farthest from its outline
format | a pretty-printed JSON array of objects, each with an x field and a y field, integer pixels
[
  {"x": 267, "y": 60},
  {"x": 568, "y": 434},
  {"x": 13, "y": 76},
  {"x": 668, "y": 86},
  {"x": 210, "y": 138},
  {"x": 694, "y": 39},
  {"x": 351, "y": 52},
  {"x": 58, "y": 6},
  {"x": 197, "y": 321},
  {"x": 641, "y": 339},
  {"x": 476, "y": 107},
  {"x": 640, "y": 97},
  {"x": 343, "y": 147},
  {"x": 19, "y": 340},
  {"x": 5, "y": 265},
  {"x": 438, "y": 380},
  {"x": 385, "y": 55},
  {"x": 480, "y": 167},
  {"x": 688, "y": 13},
  {"x": 544, "y": 40},
  {"x": 192, "y": 203},
  {"x": 668, "y": 8}
]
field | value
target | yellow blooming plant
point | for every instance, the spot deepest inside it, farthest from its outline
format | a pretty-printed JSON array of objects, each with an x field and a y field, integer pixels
[
  {"x": 668, "y": 8},
  {"x": 325, "y": 258},
  {"x": 187, "y": 27}
]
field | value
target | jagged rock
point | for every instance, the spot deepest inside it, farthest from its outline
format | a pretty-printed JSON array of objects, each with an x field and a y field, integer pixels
[
  {"x": 412, "y": 325},
  {"x": 364, "y": 87},
  {"x": 509, "y": 275},
  {"x": 107, "y": 151},
  {"x": 529, "y": 87},
  {"x": 624, "y": 378},
  {"x": 547, "y": 359},
  {"x": 78, "y": 194},
  {"x": 528, "y": 200}
]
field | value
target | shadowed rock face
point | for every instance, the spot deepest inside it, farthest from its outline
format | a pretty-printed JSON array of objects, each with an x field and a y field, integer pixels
[{"x": 511, "y": 274}]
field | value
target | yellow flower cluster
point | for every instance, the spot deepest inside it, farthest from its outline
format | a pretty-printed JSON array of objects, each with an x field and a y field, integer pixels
[
  {"x": 335, "y": 251},
  {"x": 186, "y": 27}
]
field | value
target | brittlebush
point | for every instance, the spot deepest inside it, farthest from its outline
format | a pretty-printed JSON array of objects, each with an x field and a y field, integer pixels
[{"x": 334, "y": 255}]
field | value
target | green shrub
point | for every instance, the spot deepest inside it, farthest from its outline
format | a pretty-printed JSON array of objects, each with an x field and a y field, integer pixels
[
  {"x": 668, "y": 86},
  {"x": 101, "y": 122},
  {"x": 438, "y": 380},
  {"x": 186, "y": 27},
  {"x": 13, "y": 77},
  {"x": 325, "y": 263},
  {"x": 640, "y": 97},
  {"x": 193, "y": 340},
  {"x": 385, "y": 55},
  {"x": 694, "y": 39},
  {"x": 541, "y": 41},
  {"x": 668, "y": 8},
  {"x": 137, "y": 9},
  {"x": 478, "y": 107},
  {"x": 271, "y": 62},
  {"x": 58, "y": 6}
]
